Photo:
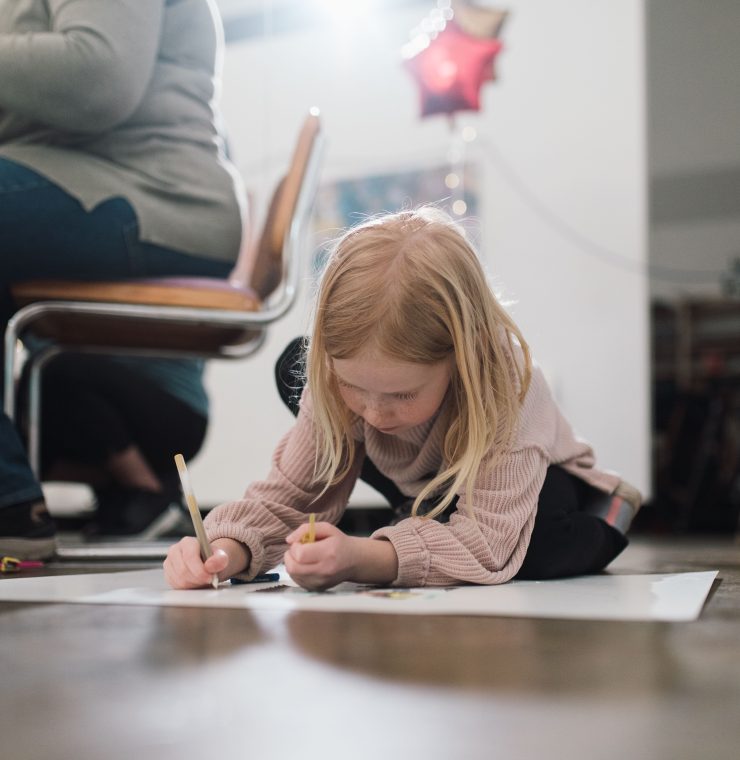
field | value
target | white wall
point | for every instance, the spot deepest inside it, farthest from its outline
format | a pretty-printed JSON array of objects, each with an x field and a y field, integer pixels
[
  {"x": 561, "y": 147},
  {"x": 694, "y": 139}
]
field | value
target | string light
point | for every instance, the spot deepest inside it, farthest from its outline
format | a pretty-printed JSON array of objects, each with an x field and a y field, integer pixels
[
  {"x": 427, "y": 30},
  {"x": 452, "y": 180}
]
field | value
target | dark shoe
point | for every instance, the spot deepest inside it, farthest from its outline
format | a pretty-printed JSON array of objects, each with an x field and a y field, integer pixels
[
  {"x": 27, "y": 531},
  {"x": 174, "y": 522},
  {"x": 144, "y": 515}
]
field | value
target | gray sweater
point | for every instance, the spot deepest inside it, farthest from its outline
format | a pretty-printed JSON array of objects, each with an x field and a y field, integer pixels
[{"x": 118, "y": 99}]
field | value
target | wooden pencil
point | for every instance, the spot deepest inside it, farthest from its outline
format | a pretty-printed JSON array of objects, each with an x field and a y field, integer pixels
[{"x": 200, "y": 531}]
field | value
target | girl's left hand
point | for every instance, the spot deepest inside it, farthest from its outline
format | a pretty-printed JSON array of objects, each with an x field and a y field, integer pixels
[{"x": 324, "y": 563}]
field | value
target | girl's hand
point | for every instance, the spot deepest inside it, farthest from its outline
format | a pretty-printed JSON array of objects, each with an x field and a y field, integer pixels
[
  {"x": 322, "y": 564},
  {"x": 335, "y": 557},
  {"x": 183, "y": 567}
]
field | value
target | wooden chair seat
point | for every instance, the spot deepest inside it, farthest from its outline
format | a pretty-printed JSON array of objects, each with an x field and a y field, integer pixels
[
  {"x": 162, "y": 313},
  {"x": 79, "y": 330},
  {"x": 173, "y": 316},
  {"x": 193, "y": 292}
]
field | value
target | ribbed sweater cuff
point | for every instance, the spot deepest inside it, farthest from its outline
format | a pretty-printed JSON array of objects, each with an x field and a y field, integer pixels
[
  {"x": 413, "y": 555},
  {"x": 250, "y": 537}
]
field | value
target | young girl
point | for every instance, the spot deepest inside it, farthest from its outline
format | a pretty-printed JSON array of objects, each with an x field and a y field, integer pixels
[{"x": 415, "y": 366}]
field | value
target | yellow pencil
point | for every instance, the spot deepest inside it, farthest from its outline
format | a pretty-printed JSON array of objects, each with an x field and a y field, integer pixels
[
  {"x": 310, "y": 537},
  {"x": 200, "y": 531}
]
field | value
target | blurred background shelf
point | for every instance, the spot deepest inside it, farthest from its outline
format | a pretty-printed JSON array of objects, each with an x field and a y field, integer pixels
[{"x": 696, "y": 414}]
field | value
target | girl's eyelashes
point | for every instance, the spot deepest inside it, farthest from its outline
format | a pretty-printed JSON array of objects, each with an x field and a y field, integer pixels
[{"x": 399, "y": 396}]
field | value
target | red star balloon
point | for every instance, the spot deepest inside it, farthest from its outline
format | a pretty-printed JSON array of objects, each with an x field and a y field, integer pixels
[
  {"x": 480, "y": 21},
  {"x": 451, "y": 70}
]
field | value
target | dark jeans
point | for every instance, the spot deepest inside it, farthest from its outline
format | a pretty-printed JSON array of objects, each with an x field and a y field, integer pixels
[
  {"x": 94, "y": 407},
  {"x": 46, "y": 234},
  {"x": 565, "y": 540}
]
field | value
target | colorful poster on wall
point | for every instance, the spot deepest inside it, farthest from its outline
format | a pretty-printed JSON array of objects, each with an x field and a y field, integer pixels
[{"x": 349, "y": 202}]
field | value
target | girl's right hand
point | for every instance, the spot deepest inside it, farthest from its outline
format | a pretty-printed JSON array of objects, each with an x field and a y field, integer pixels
[{"x": 184, "y": 568}]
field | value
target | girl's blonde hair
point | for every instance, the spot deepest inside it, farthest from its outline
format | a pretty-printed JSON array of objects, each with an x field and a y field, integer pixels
[{"x": 410, "y": 286}]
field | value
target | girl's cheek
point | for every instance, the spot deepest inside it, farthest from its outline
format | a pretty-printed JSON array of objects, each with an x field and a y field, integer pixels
[{"x": 351, "y": 400}]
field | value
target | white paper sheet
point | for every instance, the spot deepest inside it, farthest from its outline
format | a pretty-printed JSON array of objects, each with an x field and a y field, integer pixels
[{"x": 666, "y": 597}]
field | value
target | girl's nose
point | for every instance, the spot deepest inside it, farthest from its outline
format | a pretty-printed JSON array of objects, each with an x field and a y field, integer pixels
[{"x": 374, "y": 415}]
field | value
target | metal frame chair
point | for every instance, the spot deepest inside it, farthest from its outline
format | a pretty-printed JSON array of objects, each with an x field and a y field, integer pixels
[{"x": 183, "y": 316}]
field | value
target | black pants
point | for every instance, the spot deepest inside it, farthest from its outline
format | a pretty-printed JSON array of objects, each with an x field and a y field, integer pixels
[
  {"x": 565, "y": 541},
  {"x": 93, "y": 407}
]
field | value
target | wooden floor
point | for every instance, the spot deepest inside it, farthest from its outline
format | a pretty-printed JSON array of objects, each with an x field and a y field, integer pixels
[{"x": 94, "y": 682}]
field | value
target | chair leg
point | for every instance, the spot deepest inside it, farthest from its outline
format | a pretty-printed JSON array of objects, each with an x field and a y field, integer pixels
[
  {"x": 9, "y": 370},
  {"x": 16, "y": 325},
  {"x": 37, "y": 364}
]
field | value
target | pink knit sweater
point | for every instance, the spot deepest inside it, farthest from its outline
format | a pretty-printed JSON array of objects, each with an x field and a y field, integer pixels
[{"x": 488, "y": 549}]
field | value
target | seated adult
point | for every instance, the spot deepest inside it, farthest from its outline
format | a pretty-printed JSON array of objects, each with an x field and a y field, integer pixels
[{"x": 112, "y": 166}]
